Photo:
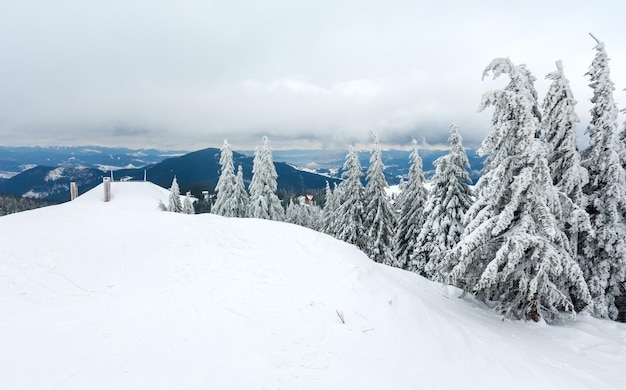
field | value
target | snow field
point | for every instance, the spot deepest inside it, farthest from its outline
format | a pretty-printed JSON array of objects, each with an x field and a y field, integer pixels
[{"x": 120, "y": 295}]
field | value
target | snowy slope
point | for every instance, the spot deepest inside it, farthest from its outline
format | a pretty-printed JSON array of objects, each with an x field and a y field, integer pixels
[{"x": 118, "y": 295}]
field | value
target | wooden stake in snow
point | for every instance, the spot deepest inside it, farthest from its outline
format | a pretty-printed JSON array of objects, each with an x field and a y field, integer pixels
[
  {"x": 73, "y": 190},
  {"x": 107, "y": 189}
]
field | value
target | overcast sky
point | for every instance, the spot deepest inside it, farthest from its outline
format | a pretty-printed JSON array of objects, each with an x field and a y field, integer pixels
[{"x": 187, "y": 74}]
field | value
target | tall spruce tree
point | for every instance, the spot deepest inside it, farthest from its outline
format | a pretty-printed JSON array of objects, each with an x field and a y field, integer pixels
[
  {"x": 568, "y": 175},
  {"x": 330, "y": 205},
  {"x": 621, "y": 143},
  {"x": 291, "y": 214},
  {"x": 557, "y": 130},
  {"x": 175, "y": 204},
  {"x": 226, "y": 202},
  {"x": 264, "y": 202},
  {"x": 380, "y": 218},
  {"x": 188, "y": 204},
  {"x": 410, "y": 205},
  {"x": 513, "y": 251},
  {"x": 347, "y": 218},
  {"x": 450, "y": 198},
  {"x": 604, "y": 256}
]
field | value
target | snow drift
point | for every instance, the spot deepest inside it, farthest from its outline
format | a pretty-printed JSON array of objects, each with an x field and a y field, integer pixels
[{"x": 120, "y": 295}]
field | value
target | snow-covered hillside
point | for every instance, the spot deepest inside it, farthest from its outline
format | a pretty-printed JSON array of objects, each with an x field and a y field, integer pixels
[{"x": 119, "y": 295}]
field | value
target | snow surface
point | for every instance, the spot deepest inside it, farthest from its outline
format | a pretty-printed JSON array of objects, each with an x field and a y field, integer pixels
[
  {"x": 54, "y": 174},
  {"x": 108, "y": 168},
  {"x": 7, "y": 174},
  {"x": 119, "y": 295}
]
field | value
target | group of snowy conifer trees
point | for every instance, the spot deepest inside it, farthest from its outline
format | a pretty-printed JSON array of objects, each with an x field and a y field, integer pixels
[
  {"x": 542, "y": 232},
  {"x": 175, "y": 204},
  {"x": 233, "y": 199},
  {"x": 546, "y": 231}
]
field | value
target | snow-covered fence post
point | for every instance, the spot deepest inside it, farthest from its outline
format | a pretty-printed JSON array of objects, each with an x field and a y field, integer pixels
[
  {"x": 73, "y": 190},
  {"x": 107, "y": 189}
]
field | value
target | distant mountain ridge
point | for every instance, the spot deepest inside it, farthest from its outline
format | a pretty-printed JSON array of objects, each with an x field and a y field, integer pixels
[
  {"x": 298, "y": 170},
  {"x": 196, "y": 172},
  {"x": 16, "y": 159}
]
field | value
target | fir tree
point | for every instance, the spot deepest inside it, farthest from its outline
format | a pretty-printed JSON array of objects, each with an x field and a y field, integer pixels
[
  {"x": 264, "y": 202},
  {"x": 242, "y": 200},
  {"x": 175, "y": 205},
  {"x": 513, "y": 251},
  {"x": 604, "y": 260},
  {"x": 311, "y": 217},
  {"x": 557, "y": 129},
  {"x": 449, "y": 200},
  {"x": 188, "y": 204},
  {"x": 347, "y": 218},
  {"x": 380, "y": 218},
  {"x": 568, "y": 175},
  {"x": 304, "y": 215},
  {"x": 328, "y": 213},
  {"x": 291, "y": 214},
  {"x": 226, "y": 201},
  {"x": 621, "y": 143},
  {"x": 410, "y": 205}
]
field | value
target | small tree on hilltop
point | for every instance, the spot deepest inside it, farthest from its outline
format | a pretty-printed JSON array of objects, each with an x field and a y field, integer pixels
[
  {"x": 226, "y": 201},
  {"x": 188, "y": 204},
  {"x": 241, "y": 198},
  {"x": 175, "y": 205},
  {"x": 264, "y": 202}
]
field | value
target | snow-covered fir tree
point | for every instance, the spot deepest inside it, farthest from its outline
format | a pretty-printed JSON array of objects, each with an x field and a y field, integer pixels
[
  {"x": 175, "y": 204},
  {"x": 410, "y": 205},
  {"x": 513, "y": 251},
  {"x": 303, "y": 215},
  {"x": 311, "y": 217},
  {"x": 330, "y": 205},
  {"x": 557, "y": 130},
  {"x": 226, "y": 202},
  {"x": 380, "y": 217},
  {"x": 622, "y": 143},
  {"x": 242, "y": 200},
  {"x": 450, "y": 198},
  {"x": 264, "y": 202},
  {"x": 604, "y": 256},
  {"x": 291, "y": 215},
  {"x": 188, "y": 204},
  {"x": 347, "y": 218}
]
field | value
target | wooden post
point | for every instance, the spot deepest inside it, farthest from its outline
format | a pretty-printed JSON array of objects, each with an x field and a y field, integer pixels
[
  {"x": 73, "y": 190},
  {"x": 145, "y": 175},
  {"x": 107, "y": 189}
]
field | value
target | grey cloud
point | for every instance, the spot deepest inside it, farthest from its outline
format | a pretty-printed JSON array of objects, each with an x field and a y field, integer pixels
[
  {"x": 191, "y": 74},
  {"x": 122, "y": 131}
]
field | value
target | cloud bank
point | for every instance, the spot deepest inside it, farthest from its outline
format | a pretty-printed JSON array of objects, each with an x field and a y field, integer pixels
[{"x": 316, "y": 74}]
